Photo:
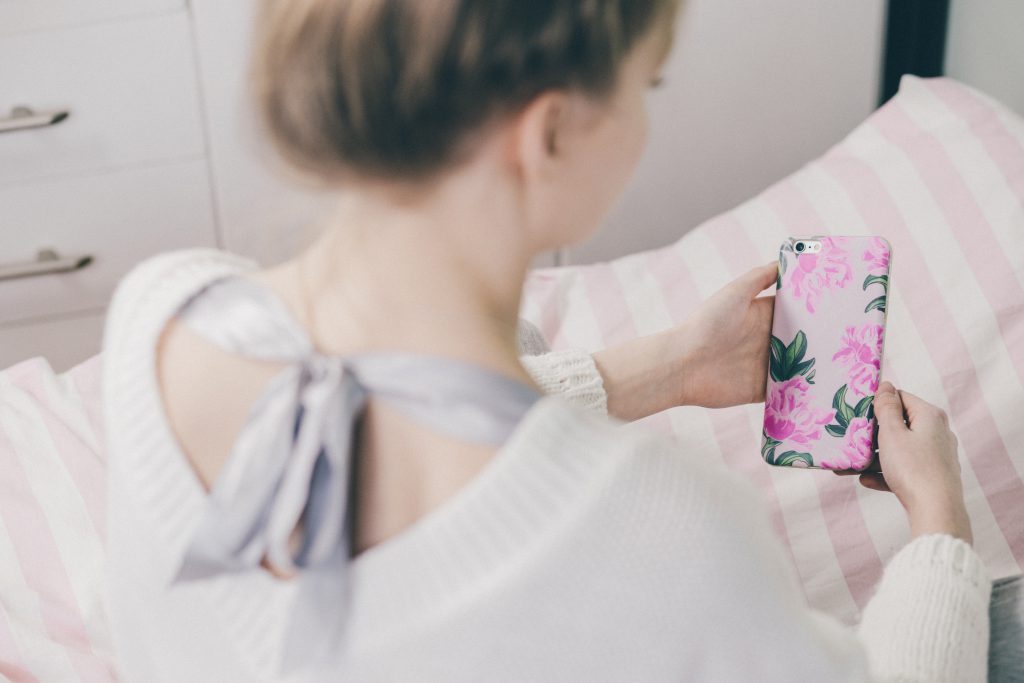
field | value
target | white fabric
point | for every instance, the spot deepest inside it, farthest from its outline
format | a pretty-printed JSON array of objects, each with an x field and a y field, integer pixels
[{"x": 582, "y": 551}]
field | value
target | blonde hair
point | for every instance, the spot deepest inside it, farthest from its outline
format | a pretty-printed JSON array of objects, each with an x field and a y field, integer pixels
[{"x": 394, "y": 88}]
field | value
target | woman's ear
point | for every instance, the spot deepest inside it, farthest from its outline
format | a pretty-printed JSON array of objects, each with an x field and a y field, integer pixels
[{"x": 539, "y": 130}]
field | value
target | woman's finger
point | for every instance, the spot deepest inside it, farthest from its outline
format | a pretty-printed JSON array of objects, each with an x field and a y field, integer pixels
[
  {"x": 917, "y": 408},
  {"x": 874, "y": 481},
  {"x": 758, "y": 279},
  {"x": 889, "y": 407}
]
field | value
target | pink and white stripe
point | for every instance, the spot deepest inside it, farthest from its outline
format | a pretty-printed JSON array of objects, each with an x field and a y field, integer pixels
[{"x": 52, "y": 492}]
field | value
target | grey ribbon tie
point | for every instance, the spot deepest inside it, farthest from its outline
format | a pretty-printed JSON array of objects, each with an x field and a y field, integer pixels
[{"x": 290, "y": 465}]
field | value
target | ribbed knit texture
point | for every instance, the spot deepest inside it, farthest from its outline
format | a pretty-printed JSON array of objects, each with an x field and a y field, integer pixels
[
  {"x": 571, "y": 373},
  {"x": 582, "y": 551},
  {"x": 916, "y": 595}
]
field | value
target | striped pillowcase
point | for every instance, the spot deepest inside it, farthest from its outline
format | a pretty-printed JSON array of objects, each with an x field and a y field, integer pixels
[
  {"x": 53, "y": 624},
  {"x": 939, "y": 171}
]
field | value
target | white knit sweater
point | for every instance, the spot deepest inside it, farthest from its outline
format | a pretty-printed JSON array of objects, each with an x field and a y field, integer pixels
[{"x": 582, "y": 552}]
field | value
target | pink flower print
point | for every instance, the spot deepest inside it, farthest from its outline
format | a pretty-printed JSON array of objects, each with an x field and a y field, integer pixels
[
  {"x": 857, "y": 447},
  {"x": 789, "y": 415},
  {"x": 813, "y": 273},
  {"x": 877, "y": 256},
  {"x": 861, "y": 353}
]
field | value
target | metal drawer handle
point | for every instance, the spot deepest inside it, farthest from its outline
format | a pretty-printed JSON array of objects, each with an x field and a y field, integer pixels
[
  {"x": 47, "y": 262},
  {"x": 22, "y": 118}
]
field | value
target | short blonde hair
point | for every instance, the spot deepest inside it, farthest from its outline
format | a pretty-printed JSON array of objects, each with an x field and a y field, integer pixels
[{"x": 393, "y": 88}]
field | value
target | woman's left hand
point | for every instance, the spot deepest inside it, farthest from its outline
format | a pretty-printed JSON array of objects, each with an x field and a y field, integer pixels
[{"x": 716, "y": 358}]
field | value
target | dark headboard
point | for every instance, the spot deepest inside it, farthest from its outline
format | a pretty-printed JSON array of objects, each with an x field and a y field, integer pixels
[{"x": 915, "y": 41}]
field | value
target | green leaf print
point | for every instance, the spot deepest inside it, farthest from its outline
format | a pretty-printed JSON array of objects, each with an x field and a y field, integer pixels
[
  {"x": 802, "y": 368},
  {"x": 863, "y": 406},
  {"x": 795, "y": 352},
  {"x": 789, "y": 457},
  {"x": 877, "y": 279},
  {"x": 835, "y": 430},
  {"x": 877, "y": 302},
  {"x": 777, "y": 353},
  {"x": 768, "y": 445},
  {"x": 845, "y": 412},
  {"x": 786, "y": 362}
]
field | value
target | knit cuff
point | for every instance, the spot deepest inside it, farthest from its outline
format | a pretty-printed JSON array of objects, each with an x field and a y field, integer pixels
[
  {"x": 570, "y": 373},
  {"x": 928, "y": 619}
]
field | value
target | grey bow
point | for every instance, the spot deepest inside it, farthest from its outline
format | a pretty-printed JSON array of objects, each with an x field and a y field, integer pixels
[{"x": 291, "y": 460}]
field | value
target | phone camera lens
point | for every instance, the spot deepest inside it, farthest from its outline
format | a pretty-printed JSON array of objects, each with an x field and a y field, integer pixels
[{"x": 799, "y": 246}]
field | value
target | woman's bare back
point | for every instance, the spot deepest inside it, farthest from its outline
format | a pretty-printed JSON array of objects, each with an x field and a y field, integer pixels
[{"x": 403, "y": 469}]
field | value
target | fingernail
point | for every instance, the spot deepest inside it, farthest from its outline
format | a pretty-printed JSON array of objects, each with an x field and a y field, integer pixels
[{"x": 886, "y": 388}]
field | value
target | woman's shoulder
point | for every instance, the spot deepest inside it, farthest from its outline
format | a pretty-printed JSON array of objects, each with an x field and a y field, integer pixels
[
  {"x": 137, "y": 323},
  {"x": 157, "y": 370},
  {"x": 156, "y": 286}
]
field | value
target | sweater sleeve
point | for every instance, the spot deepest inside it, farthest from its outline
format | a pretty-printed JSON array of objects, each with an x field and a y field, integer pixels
[
  {"x": 570, "y": 373},
  {"x": 928, "y": 619}
]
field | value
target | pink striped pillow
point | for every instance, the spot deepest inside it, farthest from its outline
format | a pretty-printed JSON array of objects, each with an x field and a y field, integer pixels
[
  {"x": 52, "y": 618},
  {"x": 939, "y": 171}
]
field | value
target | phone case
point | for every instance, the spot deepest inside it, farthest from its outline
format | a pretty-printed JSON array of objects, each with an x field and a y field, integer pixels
[{"x": 826, "y": 353}]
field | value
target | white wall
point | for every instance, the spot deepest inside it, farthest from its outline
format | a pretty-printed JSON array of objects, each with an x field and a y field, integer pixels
[
  {"x": 264, "y": 210},
  {"x": 985, "y": 47},
  {"x": 754, "y": 90}
]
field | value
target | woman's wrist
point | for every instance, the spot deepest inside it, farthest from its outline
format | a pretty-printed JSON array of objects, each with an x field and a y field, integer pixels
[
  {"x": 946, "y": 518},
  {"x": 643, "y": 376}
]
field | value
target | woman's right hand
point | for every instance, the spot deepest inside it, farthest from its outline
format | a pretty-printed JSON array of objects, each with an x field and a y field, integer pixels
[{"x": 919, "y": 463}]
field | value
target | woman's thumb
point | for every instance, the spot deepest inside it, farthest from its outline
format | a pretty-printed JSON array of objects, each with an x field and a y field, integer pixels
[
  {"x": 758, "y": 279},
  {"x": 888, "y": 407}
]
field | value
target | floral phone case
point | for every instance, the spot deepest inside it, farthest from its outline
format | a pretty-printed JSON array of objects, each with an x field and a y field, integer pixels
[{"x": 826, "y": 352}]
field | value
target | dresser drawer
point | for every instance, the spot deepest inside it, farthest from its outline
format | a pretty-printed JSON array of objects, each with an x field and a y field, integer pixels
[
  {"x": 17, "y": 16},
  {"x": 117, "y": 218},
  {"x": 63, "y": 342},
  {"x": 130, "y": 89}
]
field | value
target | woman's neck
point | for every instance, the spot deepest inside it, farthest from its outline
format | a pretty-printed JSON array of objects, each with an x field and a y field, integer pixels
[{"x": 441, "y": 274}]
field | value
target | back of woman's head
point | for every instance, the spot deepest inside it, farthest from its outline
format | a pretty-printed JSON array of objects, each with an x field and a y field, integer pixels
[{"x": 397, "y": 88}]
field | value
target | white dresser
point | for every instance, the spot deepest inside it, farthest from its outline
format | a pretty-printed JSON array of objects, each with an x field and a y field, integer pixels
[{"x": 127, "y": 155}]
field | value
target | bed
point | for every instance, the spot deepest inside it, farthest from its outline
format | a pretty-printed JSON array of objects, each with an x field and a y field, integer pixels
[{"x": 939, "y": 171}]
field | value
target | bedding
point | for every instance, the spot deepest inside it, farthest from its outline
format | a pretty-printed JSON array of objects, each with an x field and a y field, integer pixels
[{"x": 938, "y": 171}]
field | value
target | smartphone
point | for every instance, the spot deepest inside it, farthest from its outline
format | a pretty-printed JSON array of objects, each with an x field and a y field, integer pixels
[{"x": 825, "y": 355}]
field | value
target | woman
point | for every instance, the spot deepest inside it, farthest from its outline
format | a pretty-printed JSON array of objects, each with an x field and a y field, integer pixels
[{"x": 338, "y": 468}]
